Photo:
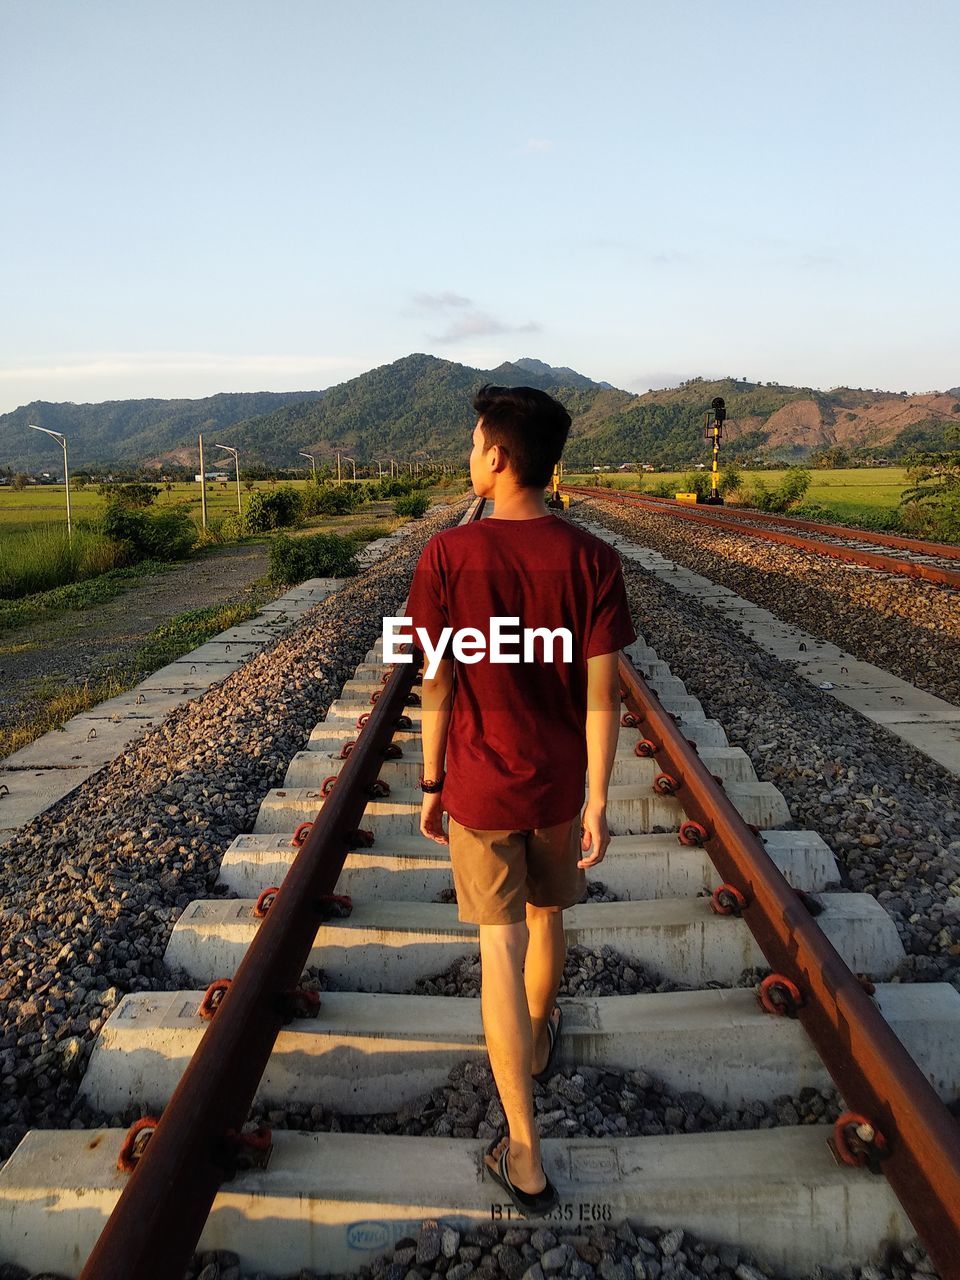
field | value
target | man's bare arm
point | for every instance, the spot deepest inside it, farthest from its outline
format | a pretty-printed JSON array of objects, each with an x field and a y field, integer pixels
[
  {"x": 603, "y": 730},
  {"x": 436, "y": 702}
]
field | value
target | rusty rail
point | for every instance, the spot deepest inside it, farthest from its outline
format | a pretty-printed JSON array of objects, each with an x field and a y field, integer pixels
[
  {"x": 162, "y": 1210},
  {"x": 871, "y": 1068},
  {"x": 945, "y": 550},
  {"x": 887, "y": 564}
]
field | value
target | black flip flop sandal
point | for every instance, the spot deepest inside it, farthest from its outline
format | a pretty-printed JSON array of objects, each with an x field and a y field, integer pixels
[
  {"x": 553, "y": 1035},
  {"x": 529, "y": 1206}
]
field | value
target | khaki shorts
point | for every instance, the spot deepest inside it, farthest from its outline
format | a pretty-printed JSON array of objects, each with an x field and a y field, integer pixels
[{"x": 496, "y": 873}]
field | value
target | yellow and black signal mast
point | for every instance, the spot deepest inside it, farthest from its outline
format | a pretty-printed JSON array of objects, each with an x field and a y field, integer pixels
[
  {"x": 714, "y": 430},
  {"x": 557, "y": 499}
]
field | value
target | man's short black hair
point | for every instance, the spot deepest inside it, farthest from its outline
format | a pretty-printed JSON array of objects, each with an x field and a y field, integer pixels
[{"x": 530, "y": 426}]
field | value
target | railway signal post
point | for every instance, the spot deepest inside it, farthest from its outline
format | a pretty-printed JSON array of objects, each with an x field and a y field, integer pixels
[{"x": 715, "y": 430}]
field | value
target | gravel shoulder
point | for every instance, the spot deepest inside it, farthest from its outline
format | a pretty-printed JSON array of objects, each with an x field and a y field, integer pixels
[
  {"x": 72, "y": 648},
  {"x": 904, "y": 625},
  {"x": 889, "y": 813}
]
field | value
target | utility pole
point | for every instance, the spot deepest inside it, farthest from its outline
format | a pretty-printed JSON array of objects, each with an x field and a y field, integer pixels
[
  {"x": 353, "y": 464},
  {"x": 203, "y": 487},
  {"x": 313, "y": 463},
  {"x": 338, "y": 469},
  {"x": 716, "y": 431}
]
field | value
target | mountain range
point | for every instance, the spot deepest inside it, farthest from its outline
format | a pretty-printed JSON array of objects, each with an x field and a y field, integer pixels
[{"x": 419, "y": 407}]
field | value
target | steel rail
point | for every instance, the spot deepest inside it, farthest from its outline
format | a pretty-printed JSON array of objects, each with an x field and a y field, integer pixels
[
  {"x": 920, "y": 546},
  {"x": 887, "y": 564},
  {"x": 872, "y": 1070},
  {"x": 162, "y": 1210}
]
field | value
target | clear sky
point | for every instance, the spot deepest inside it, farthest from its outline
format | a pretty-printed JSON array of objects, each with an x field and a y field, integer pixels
[{"x": 226, "y": 195}]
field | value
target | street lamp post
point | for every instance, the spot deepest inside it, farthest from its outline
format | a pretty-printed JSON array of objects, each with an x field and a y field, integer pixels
[
  {"x": 61, "y": 440},
  {"x": 236, "y": 457},
  {"x": 354, "y": 465},
  {"x": 313, "y": 463}
]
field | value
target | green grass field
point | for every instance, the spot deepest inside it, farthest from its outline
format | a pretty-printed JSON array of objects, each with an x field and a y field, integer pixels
[
  {"x": 849, "y": 495},
  {"x": 852, "y": 495},
  {"x": 35, "y": 506}
]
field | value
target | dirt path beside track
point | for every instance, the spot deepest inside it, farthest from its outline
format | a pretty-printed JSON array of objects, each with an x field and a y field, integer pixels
[{"x": 71, "y": 648}]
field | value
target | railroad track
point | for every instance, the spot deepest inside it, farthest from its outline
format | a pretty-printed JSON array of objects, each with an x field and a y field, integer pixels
[
  {"x": 932, "y": 561},
  {"x": 333, "y": 1201}
]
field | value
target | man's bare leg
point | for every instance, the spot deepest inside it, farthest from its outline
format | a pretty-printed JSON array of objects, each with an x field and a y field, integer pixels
[
  {"x": 506, "y": 1025},
  {"x": 546, "y": 955}
]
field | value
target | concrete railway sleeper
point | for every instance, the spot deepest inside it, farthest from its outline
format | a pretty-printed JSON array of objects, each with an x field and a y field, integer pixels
[{"x": 333, "y": 1200}]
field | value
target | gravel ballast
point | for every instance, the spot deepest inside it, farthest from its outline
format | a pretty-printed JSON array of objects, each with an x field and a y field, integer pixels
[
  {"x": 89, "y": 890},
  {"x": 889, "y": 813},
  {"x": 901, "y": 624}
]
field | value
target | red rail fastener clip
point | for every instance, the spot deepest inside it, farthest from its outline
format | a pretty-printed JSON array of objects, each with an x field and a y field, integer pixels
[
  {"x": 855, "y": 1141},
  {"x": 135, "y": 1143},
  {"x": 645, "y": 748},
  {"x": 334, "y": 906},
  {"x": 347, "y": 748},
  {"x": 361, "y": 838},
  {"x": 378, "y": 789},
  {"x": 375, "y": 696},
  {"x": 240, "y": 1151},
  {"x": 265, "y": 901},
  {"x": 385, "y": 677},
  {"x": 299, "y": 838},
  {"x": 213, "y": 998},
  {"x": 629, "y": 720},
  {"x": 666, "y": 785},
  {"x": 362, "y": 719},
  {"x": 779, "y": 996},
  {"x": 727, "y": 900},
  {"x": 692, "y": 833},
  {"x": 328, "y": 784}
]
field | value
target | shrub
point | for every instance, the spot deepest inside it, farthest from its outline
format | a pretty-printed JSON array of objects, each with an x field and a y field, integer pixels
[
  {"x": 279, "y": 509},
  {"x": 160, "y": 535},
  {"x": 932, "y": 505},
  {"x": 338, "y": 500},
  {"x": 791, "y": 489},
  {"x": 412, "y": 504},
  {"x": 231, "y": 529},
  {"x": 730, "y": 481},
  {"x": 130, "y": 495},
  {"x": 319, "y": 555},
  {"x": 697, "y": 482}
]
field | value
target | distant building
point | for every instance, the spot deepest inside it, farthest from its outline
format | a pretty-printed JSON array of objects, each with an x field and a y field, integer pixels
[{"x": 211, "y": 475}]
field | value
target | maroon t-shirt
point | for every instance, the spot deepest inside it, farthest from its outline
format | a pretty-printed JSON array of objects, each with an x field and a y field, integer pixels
[{"x": 516, "y": 750}]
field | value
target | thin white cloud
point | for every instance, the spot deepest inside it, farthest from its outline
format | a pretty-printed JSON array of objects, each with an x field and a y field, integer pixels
[
  {"x": 538, "y": 147},
  {"x": 466, "y": 319},
  {"x": 440, "y": 301},
  {"x": 124, "y": 364},
  {"x": 658, "y": 381},
  {"x": 479, "y": 324}
]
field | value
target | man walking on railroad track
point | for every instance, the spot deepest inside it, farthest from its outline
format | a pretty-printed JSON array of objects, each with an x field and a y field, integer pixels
[{"x": 509, "y": 731}]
